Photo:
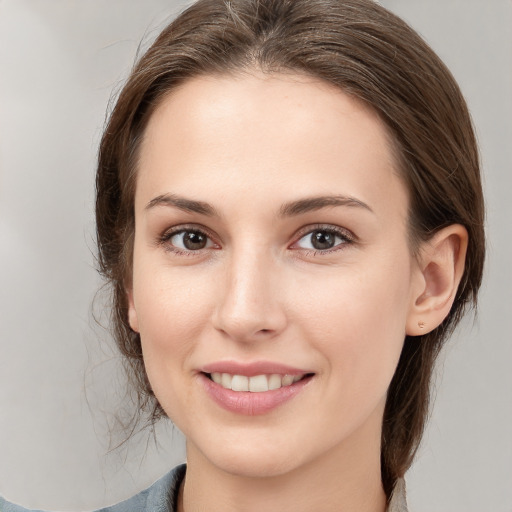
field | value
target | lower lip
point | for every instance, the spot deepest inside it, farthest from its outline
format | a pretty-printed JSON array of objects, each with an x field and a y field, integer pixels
[{"x": 251, "y": 404}]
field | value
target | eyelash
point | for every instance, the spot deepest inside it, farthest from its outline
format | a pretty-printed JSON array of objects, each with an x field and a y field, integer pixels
[
  {"x": 347, "y": 238},
  {"x": 165, "y": 238}
]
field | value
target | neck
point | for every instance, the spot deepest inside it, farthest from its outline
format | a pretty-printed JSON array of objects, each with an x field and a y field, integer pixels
[{"x": 346, "y": 478}]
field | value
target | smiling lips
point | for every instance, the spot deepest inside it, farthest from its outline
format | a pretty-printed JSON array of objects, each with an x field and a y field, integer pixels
[{"x": 252, "y": 389}]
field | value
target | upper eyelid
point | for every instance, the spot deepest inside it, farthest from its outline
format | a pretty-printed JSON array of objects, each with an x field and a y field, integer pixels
[
  {"x": 306, "y": 230},
  {"x": 163, "y": 240},
  {"x": 181, "y": 228},
  {"x": 164, "y": 237}
]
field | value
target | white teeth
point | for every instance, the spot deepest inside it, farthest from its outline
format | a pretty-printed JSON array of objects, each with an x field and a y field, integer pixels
[
  {"x": 226, "y": 379},
  {"x": 275, "y": 381},
  {"x": 287, "y": 380},
  {"x": 240, "y": 383},
  {"x": 256, "y": 384}
]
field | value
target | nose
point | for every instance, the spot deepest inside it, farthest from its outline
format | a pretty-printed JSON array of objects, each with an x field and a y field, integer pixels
[{"x": 250, "y": 306}]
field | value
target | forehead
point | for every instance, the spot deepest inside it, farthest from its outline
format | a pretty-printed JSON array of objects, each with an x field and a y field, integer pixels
[{"x": 256, "y": 133}]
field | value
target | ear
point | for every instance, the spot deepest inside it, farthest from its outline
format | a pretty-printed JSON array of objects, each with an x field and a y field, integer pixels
[
  {"x": 132, "y": 312},
  {"x": 441, "y": 266}
]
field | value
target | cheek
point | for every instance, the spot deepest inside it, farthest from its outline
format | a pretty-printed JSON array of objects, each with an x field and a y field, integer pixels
[
  {"x": 171, "y": 311},
  {"x": 170, "y": 302},
  {"x": 357, "y": 319}
]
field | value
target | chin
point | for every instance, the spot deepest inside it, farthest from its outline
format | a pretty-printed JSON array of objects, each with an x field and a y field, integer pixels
[
  {"x": 256, "y": 467},
  {"x": 251, "y": 460}
]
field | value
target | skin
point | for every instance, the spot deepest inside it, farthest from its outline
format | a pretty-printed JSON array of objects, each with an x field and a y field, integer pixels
[{"x": 247, "y": 145}]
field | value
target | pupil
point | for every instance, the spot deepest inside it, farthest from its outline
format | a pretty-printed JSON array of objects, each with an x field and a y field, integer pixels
[
  {"x": 194, "y": 241},
  {"x": 322, "y": 240}
]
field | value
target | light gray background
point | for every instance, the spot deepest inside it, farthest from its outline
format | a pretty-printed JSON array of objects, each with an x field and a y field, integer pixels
[{"x": 59, "y": 62}]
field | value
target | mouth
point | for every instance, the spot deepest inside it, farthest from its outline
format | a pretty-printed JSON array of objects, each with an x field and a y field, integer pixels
[
  {"x": 256, "y": 383},
  {"x": 253, "y": 388}
]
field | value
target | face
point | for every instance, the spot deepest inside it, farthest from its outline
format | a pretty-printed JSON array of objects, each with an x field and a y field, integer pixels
[{"x": 271, "y": 257}]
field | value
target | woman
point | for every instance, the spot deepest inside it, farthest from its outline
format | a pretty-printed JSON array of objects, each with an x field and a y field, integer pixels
[{"x": 282, "y": 210}]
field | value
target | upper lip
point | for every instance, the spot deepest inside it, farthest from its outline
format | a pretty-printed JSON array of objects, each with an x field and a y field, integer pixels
[{"x": 251, "y": 369}]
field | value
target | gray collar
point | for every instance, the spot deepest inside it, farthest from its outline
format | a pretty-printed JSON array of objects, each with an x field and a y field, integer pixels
[{"x": 398, "y": 503}]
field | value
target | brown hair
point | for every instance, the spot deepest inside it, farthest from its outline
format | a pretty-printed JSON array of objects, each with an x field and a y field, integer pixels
[{"x": 367, "y": 52}]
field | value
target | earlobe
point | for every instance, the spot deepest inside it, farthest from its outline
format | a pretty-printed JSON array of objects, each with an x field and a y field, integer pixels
[
  {"x": 441, "y": 261},
  {"x": 132, "y": 312}
]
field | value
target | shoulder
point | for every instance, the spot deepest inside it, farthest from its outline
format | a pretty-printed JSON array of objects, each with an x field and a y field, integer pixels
[{"x": 160, "y": 497}]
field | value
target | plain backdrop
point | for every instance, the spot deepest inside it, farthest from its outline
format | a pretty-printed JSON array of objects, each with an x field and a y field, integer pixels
[{"x": 60, "y": 380}]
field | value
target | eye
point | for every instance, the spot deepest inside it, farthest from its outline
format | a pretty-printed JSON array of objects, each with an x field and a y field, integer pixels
[
  {"x": 323, "y": 239},
  {"x": 188, "y": 240}
]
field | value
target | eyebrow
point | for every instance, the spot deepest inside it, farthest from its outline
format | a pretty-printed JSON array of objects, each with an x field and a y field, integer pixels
[
  {"x": 291, "y": 209},
  {"x": 182, "y": 203},
  {"x": 317, "y": 203}
]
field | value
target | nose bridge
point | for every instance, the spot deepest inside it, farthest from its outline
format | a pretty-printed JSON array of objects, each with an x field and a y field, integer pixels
[{"x": 250, "y": 304}]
